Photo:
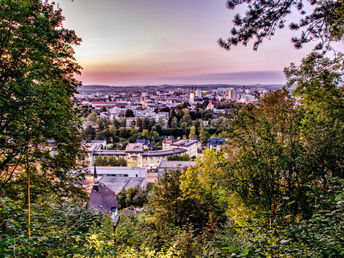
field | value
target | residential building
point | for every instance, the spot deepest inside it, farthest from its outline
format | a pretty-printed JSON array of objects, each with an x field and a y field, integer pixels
[
  {"x": 173, "y": 165},
  {"x": 191, "y": 146},
  {"x": 216, "y": 143}
]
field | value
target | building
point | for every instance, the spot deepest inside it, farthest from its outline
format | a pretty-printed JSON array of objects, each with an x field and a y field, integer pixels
[
  {"x": 137, "y": 156},
  {"x": 216, "y": 143},
  {"x": 210, "y": 106},
  {"x": 167, "y": 143},
  {"x": 117, "y": 184},
  {"x": 146, "y": 143},
  {"x": 192, "y": 95},
  {"x": 102, "y": 199},
  {"x": 118, "y": 171},
  {"x": 190, "y": 146},
  {"x": 198, "y": 93},
  {"x": 173, "y": 165},
  {"x": 134, "y": 154},
  {"x": 231, "y": 95}
]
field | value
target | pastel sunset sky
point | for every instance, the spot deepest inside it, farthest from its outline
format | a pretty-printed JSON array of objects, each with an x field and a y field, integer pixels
[{"x": 140, "y": 42}]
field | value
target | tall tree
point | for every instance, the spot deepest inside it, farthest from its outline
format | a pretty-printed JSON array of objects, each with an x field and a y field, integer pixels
[
  {"x": 192, "y": 132},
  {"x": 167, "y": 206},
  {"x": 36, "y": 88},
  {"x": 319, "y": 87},
  {"x": 265, "y": 154}
]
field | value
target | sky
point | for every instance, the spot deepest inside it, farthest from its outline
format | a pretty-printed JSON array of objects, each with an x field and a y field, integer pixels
[{"x": 154, "y": 42}]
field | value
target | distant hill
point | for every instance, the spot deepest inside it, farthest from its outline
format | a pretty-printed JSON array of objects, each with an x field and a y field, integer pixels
[{"x": 167, "y": 86}]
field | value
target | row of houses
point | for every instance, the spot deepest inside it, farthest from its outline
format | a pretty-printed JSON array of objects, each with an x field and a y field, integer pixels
[{"x": 137, "y": 155}]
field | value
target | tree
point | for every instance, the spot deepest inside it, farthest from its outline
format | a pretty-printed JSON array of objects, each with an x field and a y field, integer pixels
[
  {"x": 89, "y": 133},
  {"x": 139, "y": 124},
  {"x": 203, "y": 184},
  {"x": 316, "y": 142},
  {"x": 37, "y": 85},
  {"x": 175, "y": 157},
  {"x": 116, "y": 123},
  {"x": 111, "y": 161},
  {"x": 59, "y": 230},
  {"x": 167, "y": 205},
  {"x": 129, "y": 113},
  {"x": 102, "y": 123},
  {"x": 86, "y": 110},
  {"x": 263, "y": 18},
  {"x": 319, "y": 86},
  {"x": 174, "y": 123},
  {"x": 146, "y": 124},
  {"x": 204, "y": 135},
  {"x": 92, "y": 117},
  {"x": 161, "y": 122},
  {"x": 268, "y": 160},
  {"x": 186, "y": 117},
  {"x": 123, "y": 122},
  {"x": 136, "y": 197}
]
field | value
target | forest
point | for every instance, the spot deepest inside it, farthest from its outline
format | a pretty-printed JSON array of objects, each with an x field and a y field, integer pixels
[{"x": 275, "y": 189}]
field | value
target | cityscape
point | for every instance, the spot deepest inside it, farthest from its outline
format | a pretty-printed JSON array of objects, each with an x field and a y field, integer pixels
[{"x": 171, "y": 128}]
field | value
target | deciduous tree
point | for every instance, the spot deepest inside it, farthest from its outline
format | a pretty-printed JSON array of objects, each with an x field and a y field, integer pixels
[{"x": 37, "y": 66}]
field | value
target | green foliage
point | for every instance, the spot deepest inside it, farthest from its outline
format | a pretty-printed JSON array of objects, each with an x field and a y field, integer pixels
[
  {"x": 192, "y": 132},
  {"x": 319, "y": 85},
  {"x": 175, "y": 157},
  {"x": 202, "y": 184},
  {"x": 86, "y": 110},
  {"x": 135, "y": 238},
  {"x": 266, "y": 155},
  {"x": 168, "y": 207},
  {"x": 37, "y": 85},
  {"x": 136, "y": 197},
  {"x": 89, "y": 133},
  {"x": 204, "y": 135},
  {"x": 110, "y": 161},
  {"x": 56, "y": 230},
  {"x": 174, "y": 123},
  {"x": 319, "y": 236}
]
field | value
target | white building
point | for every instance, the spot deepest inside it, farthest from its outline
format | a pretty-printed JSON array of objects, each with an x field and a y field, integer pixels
[
  {"x": 174, "y": 165},
  {"x": 198, "y": 93},
  {"x": 191, "y": 146},
  {"x": 118, "y": 171}
]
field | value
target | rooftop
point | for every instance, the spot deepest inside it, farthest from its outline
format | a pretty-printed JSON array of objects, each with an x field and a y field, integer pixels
[
  {"x": 216, "y": 141},
  {"x": 102, "y": 198},
  {"x": 134, "y": 147},
  {"x": 116, "y": 184},
  {"x": 164, "y": 152},
  {"x": 109, "y": 152},
  {"x": 185, "y": 143},
  {"x": 176, "y": 164}
]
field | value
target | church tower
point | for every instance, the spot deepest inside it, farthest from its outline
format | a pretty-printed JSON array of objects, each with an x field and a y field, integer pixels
[{"x": 192, "y": 95}]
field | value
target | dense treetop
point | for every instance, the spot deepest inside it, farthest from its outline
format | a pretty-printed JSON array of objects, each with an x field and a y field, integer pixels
[{"x": 37, "y": 66}]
